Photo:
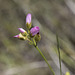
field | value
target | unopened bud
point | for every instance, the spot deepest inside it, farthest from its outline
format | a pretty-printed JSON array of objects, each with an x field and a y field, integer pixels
[
  {"x": 20, "y": 36},
  {"x": 37, "y": 37},
  {"x": 16, "y": 36},
  {"x": 22, "y": 31},
  {"x": 28, "y": 21}
]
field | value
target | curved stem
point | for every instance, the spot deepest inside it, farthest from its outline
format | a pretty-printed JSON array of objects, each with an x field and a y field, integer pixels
[{"x": 45, "y": 59}]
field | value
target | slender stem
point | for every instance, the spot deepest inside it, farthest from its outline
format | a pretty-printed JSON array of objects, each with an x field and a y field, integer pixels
[
  {"x": 59, "y": 53},
  {"x": 45, "y": 59}
]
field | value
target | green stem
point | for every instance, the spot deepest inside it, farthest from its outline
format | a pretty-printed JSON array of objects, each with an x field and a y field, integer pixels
[
  {"x": 59, "y": 53},
  {"x": 45, "y": 59}
]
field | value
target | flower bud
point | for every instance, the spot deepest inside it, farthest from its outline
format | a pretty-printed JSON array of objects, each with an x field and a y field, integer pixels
[
  {"x": 28, "y": 21},
  {"x": 22, "y": 31},
  {"x": 20, "y": 36},
  {"x": 37, "y": 37},
  {"x": 16, "y": 36},
  {"x": 34, "y": 30}
]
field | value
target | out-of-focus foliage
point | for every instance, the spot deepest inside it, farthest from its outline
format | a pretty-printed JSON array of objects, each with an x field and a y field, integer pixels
[
  {"x": 67, "y": 73},
  {"x": 52, "y": 16}
]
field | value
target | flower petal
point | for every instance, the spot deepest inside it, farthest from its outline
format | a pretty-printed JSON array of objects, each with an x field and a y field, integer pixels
[{"x": 34, "y": 30}]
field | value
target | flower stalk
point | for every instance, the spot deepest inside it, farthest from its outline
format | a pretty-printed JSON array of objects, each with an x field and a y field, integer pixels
[
  {"x": 44, "y": 59},
  {"x": 59, "y": 53}
]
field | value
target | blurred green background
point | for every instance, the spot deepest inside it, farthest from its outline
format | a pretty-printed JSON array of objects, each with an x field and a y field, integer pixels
[{"x": 52, "y": 16}]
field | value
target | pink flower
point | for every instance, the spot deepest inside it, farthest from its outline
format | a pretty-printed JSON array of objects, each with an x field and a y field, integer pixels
[
  {"x": 34, "y": 30},
  {"x": 28, "y": 18}
]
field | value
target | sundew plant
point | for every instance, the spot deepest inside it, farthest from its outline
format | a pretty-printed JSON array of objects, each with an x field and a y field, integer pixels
[{"x": 32, "y": 35}]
